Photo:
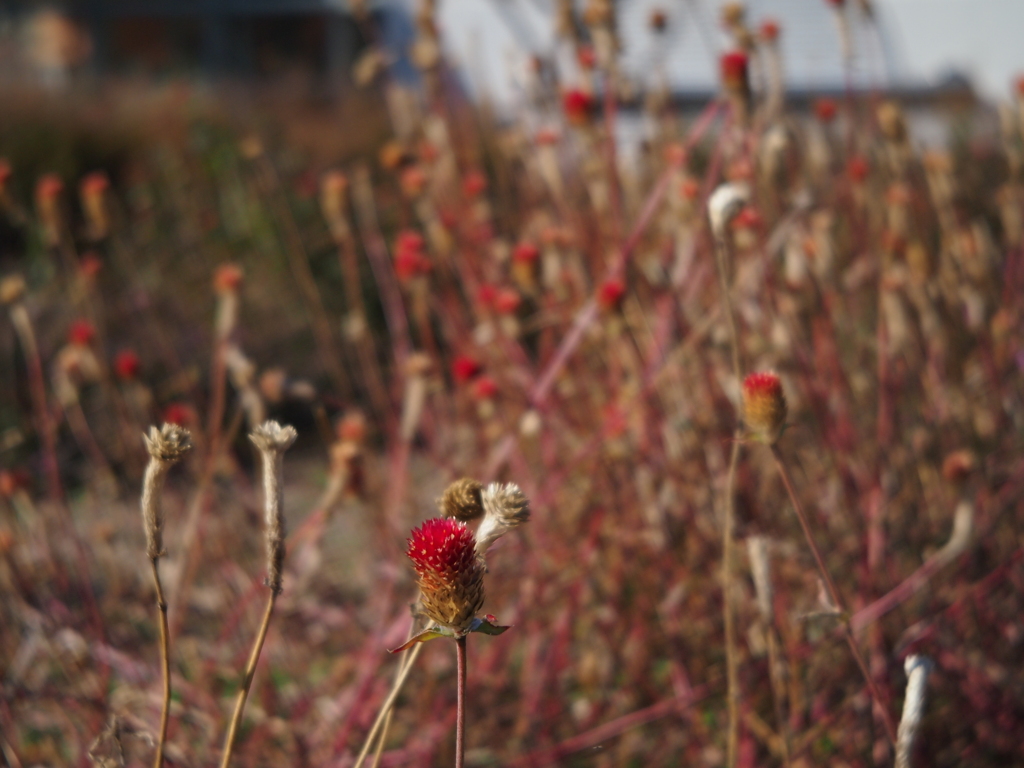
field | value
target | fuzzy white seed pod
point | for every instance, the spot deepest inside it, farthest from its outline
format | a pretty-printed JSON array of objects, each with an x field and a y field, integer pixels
[
  {"x": 166, "y": 446},
  {"x": 917, "y": 669},
  {"x": 272, "y": 440},
  {"x": 723, "y": 205},
  {"x": 505, "y": 507}
]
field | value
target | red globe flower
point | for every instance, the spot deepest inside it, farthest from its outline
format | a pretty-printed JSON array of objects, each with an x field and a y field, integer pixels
[{"x": 451, "y": 576}]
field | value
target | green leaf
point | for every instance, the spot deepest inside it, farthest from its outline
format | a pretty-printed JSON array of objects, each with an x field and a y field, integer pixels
[{"x": 430, "y": 633}]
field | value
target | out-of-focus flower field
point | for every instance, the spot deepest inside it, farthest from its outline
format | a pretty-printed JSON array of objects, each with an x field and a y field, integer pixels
[{"x": 427, "y": 292}]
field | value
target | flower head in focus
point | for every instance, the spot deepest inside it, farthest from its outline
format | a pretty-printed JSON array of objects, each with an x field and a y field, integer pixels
[{"x": 451, "y": 576}]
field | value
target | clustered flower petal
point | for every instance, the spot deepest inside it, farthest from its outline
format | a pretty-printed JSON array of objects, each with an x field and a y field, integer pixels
[{"x": 451, "y": 576}]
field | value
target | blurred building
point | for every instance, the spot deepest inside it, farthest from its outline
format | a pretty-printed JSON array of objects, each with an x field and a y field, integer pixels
[{"x": 251, "y": 39}]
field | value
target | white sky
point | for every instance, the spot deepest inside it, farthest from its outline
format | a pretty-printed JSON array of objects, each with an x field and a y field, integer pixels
[{"x": 983, "y": 39}]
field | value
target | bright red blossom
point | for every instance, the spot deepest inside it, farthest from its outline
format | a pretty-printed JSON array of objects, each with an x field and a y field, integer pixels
[{"x": 441, "y": 549}]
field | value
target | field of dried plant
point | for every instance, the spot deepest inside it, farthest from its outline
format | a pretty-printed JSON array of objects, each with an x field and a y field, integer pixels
[{"x": 459, "y": 296}]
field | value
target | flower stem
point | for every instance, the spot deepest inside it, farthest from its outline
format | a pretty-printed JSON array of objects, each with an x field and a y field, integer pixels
[
  {"x": 460, "y": 718},
  {"x": 834, "y": 595},
  {"x": 243, "y": 692},
  {"x": 165, "y": 661}
]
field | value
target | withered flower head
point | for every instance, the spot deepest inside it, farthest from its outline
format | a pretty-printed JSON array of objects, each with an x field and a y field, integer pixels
[
  {"x": 166, "y": 446},
  {"x": 462, "y": 500},
  {"x": 764, "y": 405},
  {"x": 451, "y": 576},
  {"x": 505, "y": 507},
  {"x": 272, "y": 440}
]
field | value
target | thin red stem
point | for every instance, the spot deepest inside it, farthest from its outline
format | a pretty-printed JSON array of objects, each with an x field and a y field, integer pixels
[{"x": 460, "y": 718}]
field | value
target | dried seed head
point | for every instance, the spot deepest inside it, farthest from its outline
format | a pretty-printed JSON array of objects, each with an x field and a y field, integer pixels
[
  {"x": 764, "y": 405},
  {"x": 272, "y": 440},
  {"x": 451, "y": 576},
  {"x": 271, "y": 436},
  {"x": 505, "y": 507},
  {"x": 725, "y": 203},
  {"x": 462, "y": 500},
  {"x": 166, "y": 446},
  {"x": 168, "y": 443}
]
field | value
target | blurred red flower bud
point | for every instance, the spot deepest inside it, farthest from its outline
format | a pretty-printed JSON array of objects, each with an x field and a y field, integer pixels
[
  {"x": 506, "y": 301},
  {"x": 473, "y": 184},
  {"x": 90, "y": 265},
  {"x": 734, "y": 70},
  {"x": 81, "y": 333},
  {"x": 770, "y": 30},
  {"x": 578, "y": 105},
  {"x": 127, "y": 365},
  {"x": 525, "y": 253},
  {"x": 857, "y": 168},
  {"x": 465, "y": 369},
  {"x": 180, "y": 414},
  {"x": 586, "y": 56},
  {"x": 227, "y": 278},
  {"x": 48, "y": 187},
  {"x": 484, "y": 388},
  {"x": 825, "y": 110},
  {"x": 611, "y": 293}
]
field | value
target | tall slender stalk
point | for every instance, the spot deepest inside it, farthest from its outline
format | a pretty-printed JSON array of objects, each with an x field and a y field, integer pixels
[
  {"x": 460, "y": 717},
  {"x": 403, "y": 673},
  {"x": 165, "y": 663},
  {"x": 271, "y": 440},
  {"x": 834, "y": 595},
  {"x": 729, "y": 522},
  {"x": 243, "y": 691},
  {"x": 166, "y": 446}
]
